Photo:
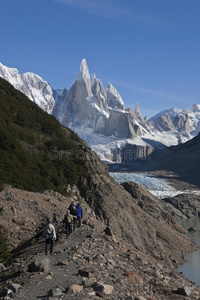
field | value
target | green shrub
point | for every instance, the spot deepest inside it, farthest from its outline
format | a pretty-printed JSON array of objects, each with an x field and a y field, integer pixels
[
  {"x": 5, "y": 254},
  {"x": 28, "y": 138}
]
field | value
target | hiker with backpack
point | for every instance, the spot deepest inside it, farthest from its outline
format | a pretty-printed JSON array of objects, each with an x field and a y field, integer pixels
[
  {"x": 55, "y": 218},
  {"x": 50, "y": 236},
  {"x": 72, "y": 209},
  {"x": 68, "y": 221},
  {"x": 79, "y": 212}
]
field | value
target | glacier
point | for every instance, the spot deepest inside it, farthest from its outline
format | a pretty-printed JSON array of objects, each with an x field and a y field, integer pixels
[{"x": 159, "y": 187}]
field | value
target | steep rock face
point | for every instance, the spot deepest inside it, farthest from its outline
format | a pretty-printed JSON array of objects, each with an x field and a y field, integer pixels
[
  {"x": 182, "y": 123},
  {"x": 114, "y": 99},
  {"x": 148, "y": 231},
  {"x": 186, "y": 204},
  {"x": 150, "y": 204},
  {"x": 134, "y": 153},
  {"x": 164, "y": 123},
  {"x": 32, "y": 85},
  {"x": 71, "y": 103},
  {"x": 118, "y": 124},
  {"x": 100, "y": 97},
  {"x": 138, "y": 113}
]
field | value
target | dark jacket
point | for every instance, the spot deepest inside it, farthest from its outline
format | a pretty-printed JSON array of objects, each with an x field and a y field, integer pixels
[{"x": 73, "y": 210}]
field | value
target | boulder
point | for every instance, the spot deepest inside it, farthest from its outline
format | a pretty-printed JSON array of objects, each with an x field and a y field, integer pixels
[
  {"x": 15, "y": 287},
  {"x": 39, "y": 265},
  {"x": 55, "y": 292},
  {"x": 75, "y": 288},
  {"x": 85, "y": 273},
  {"x": 184, "y": 291},
  {"x": 102, "y": 288}
]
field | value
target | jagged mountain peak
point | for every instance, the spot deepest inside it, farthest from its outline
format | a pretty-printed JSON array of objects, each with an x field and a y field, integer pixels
[
  {"x": 111, "y": 89},
  {"x": 84, "y": 77},
  {"x": 97, "y": 87},
  {"x": 84, "y": 71},
  {"x": 94, "y": 80},
  {"x": 138, "y": 113},
  {"x": 114, "y": 98}
]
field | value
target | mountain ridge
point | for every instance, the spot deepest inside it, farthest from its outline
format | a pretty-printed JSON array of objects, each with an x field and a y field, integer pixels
[
  {"x": 91, "y": 110},
  {"x": 182, "y": 159}
]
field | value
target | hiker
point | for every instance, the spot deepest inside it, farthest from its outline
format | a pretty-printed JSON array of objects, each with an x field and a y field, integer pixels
[
  {"x": 68, "y": 221},
  {"x": 55, "y": 218},
  {"x": 50, "y": 235},
  {"x": 72, "y": 209},
  {"x": 79, "y": 212}
]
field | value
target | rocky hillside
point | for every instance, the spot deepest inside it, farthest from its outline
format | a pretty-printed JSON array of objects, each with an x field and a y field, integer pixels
[{"x": 94, "y": 262}]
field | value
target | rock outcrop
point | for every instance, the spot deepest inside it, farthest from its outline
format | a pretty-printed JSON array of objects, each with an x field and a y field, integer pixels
[{"x": 187, "y": 205}]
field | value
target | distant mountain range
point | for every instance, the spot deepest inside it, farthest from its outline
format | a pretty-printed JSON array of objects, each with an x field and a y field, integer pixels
[{"x": 98, "y": 116}]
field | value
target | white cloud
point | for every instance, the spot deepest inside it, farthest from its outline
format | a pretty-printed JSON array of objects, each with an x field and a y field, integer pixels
[
  {"x": 112, "y": 10},
  {"x": 147, "y": 91},
  {"x": 106, "y": 8}
]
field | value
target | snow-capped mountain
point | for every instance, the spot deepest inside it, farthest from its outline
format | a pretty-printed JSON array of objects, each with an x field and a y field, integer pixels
[
  {"x": 100, "y": 118},
  {"x": 117, "y": 133},
  {"x": 88, "y": 105},
  {"x": 186, "y": 122},
  {"x": 32, "y": 85}
]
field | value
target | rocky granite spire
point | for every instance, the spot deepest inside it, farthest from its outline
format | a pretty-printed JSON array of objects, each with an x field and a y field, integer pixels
[
  {"x": 114, "y": 98},
  {"x": 138, "y": 113},
  {"x": 84, "y": 76}
]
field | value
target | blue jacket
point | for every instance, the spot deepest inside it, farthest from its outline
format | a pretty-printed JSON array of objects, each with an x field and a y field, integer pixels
[{"x": 79, "y": 211}]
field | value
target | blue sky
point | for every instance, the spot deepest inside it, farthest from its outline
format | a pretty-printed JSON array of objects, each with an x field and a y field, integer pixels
[{"x": 148, "y": 49}]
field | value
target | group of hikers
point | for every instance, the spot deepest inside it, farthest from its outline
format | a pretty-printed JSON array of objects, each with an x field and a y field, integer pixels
[{"x": 72, "y": 218}]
